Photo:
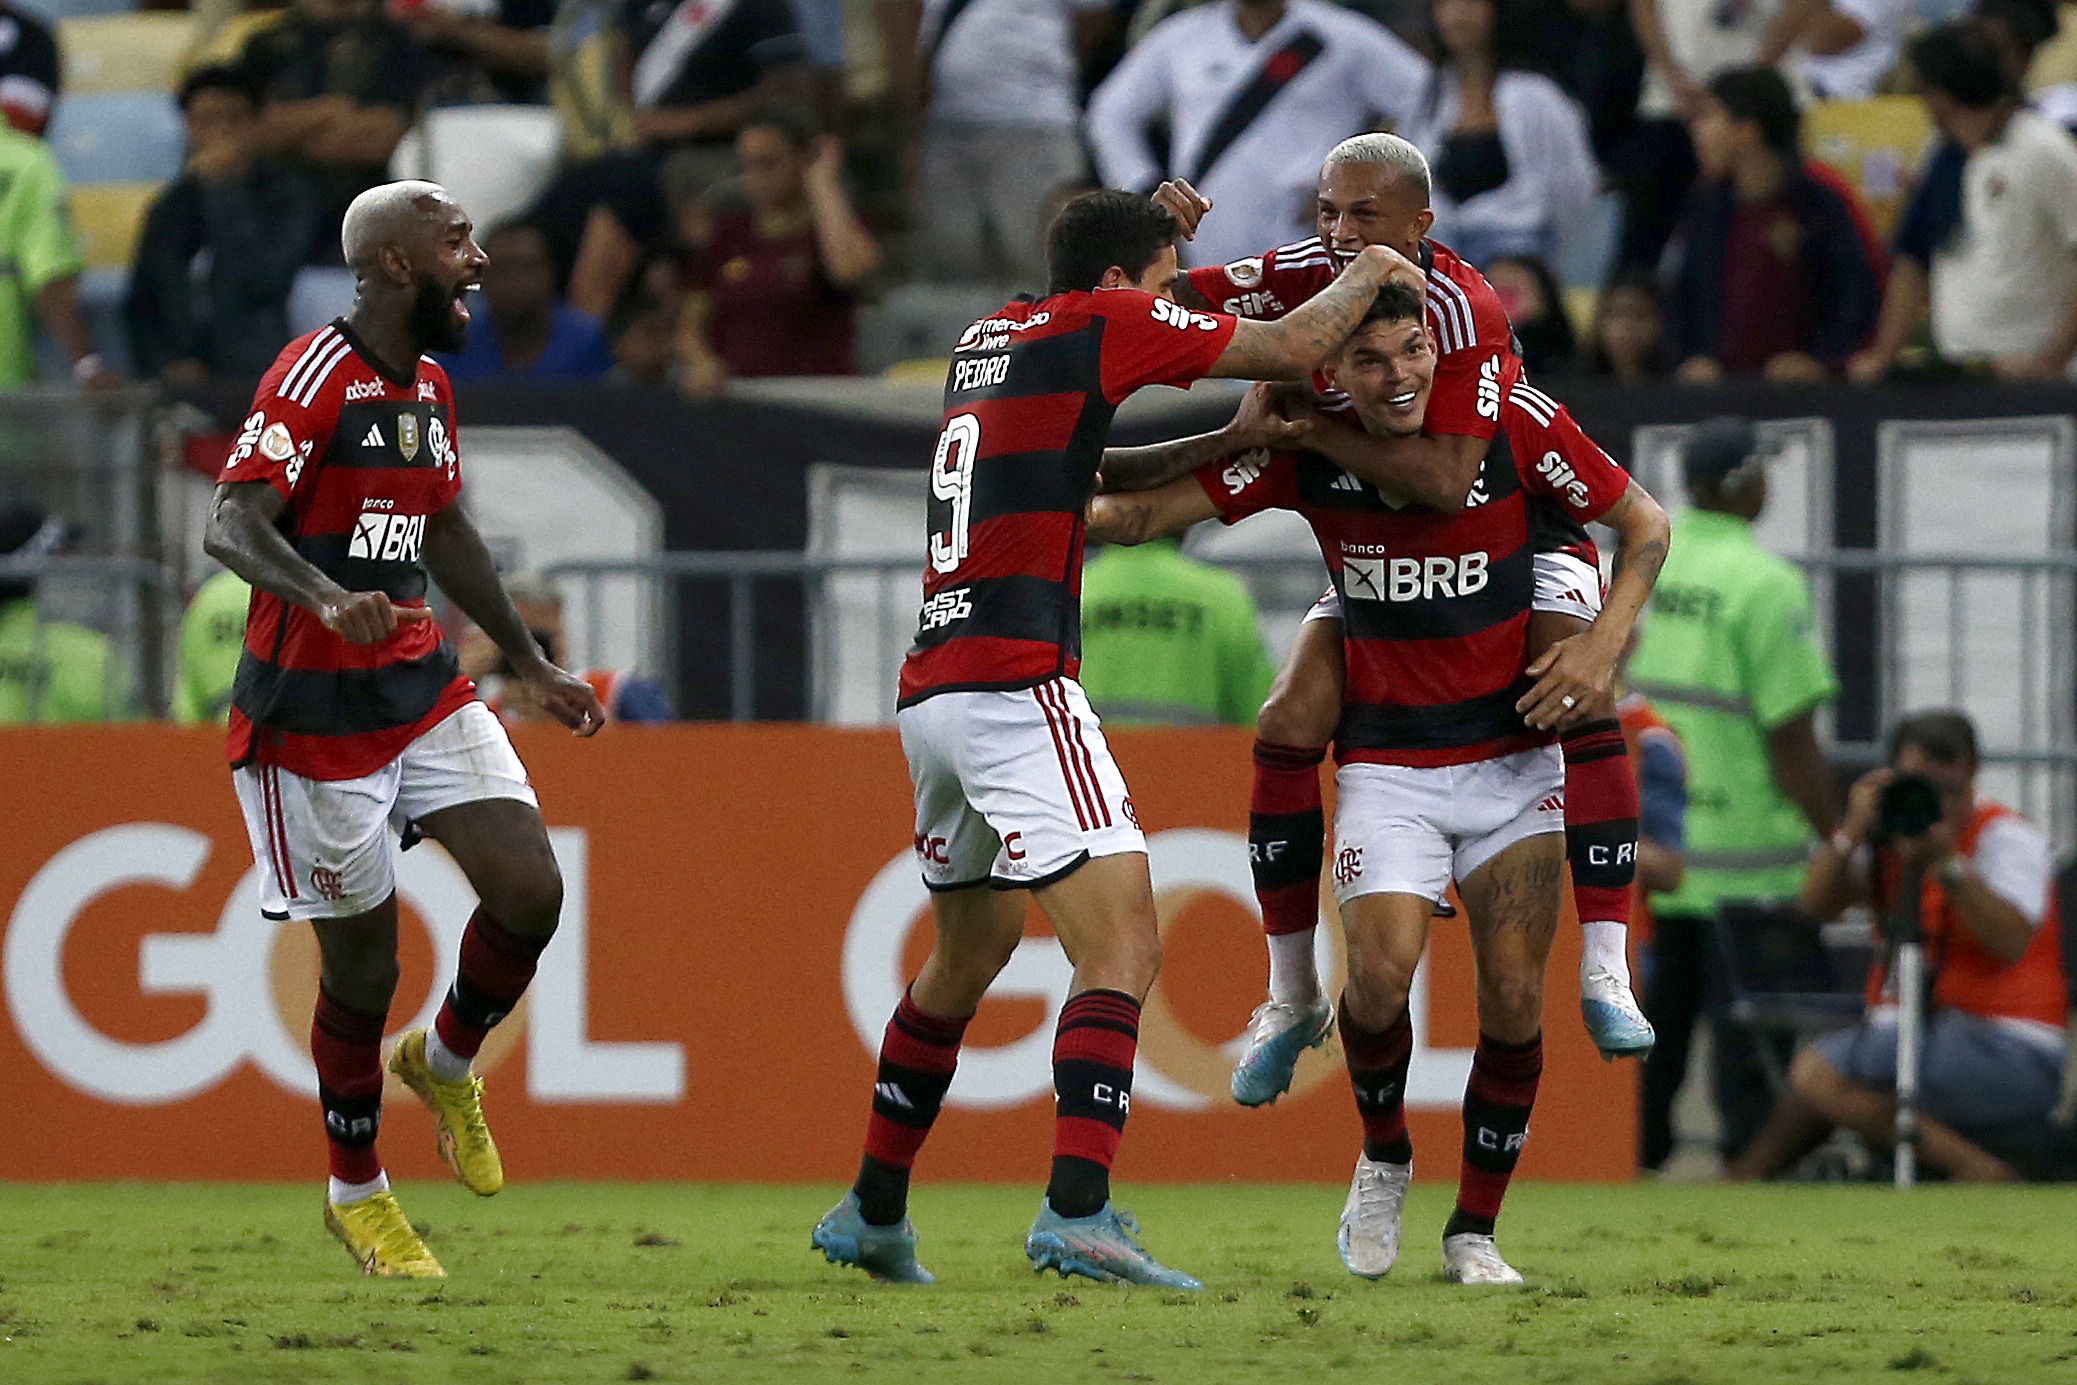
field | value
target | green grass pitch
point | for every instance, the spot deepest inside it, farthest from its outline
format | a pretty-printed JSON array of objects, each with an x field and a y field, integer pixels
[{"x": 1653, "y": 1284}]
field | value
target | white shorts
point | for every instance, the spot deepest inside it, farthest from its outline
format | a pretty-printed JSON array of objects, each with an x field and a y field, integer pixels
[
  {"x": 1399, "y": 830},
  {"x": 1013, "y": 789},
  {"x": 1565, "y": 584},
  {"x": 325, "y": 843}
]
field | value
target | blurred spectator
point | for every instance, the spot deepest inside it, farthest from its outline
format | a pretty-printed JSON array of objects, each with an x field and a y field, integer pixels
[
  {"x": 1772, "y": 276},
  {"x": 1590, "y": 49},
  {"x": 1514, "y": 174},
  {"x": 1535, "y": 307},
  {"x": 2019, "y": 28},
  {"x": 221, "y": 245},
  {"x": 699, "y": 71},
  {"x": 1731, "y": 658},
  {"x": 998, "y": 80},
  {"x": 486, "y": 50},
  {"x": 1686, "y": 43},
  {"x": 1843, "y": 48},
  {"x": 1628, "y": 340},
  {"x": 624, "y": 695},
  {"x": 525, "y": 331},
  {"x": 1992, "y": 1048},
  {"x": 1987, "y": 249},
  {"x": 643, "y": 328},
  {"x": 50, "y": 670},
  {"x": 212, "y": 636},
  {"x": 770, "y": 292},
  {"x": 1244, "y": 98},
  {"x": 30, "y": 69},
  {"x": 1169, "y": 640},
  {"x": 342, "y": 82},
  {"x": 42, "y": 255}
]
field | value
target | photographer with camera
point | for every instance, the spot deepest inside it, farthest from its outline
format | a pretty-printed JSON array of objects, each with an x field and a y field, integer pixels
[{"x": 1991, "y": 1055}]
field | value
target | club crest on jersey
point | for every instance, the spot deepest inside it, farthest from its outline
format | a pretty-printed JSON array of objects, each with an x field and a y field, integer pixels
[
  {"x": 387, "y": 538},
  {"x": 407, "y": 436}
]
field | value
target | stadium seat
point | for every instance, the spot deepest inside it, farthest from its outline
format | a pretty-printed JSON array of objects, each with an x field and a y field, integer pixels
[
  {"x": 1779, "y": 978},
  {"x": 123, "y": 52},
  {"x": 118, "y": 137},
  {"x": 494, "y": 159},
  {"x": 108, "y": 217},
  {"x": 1876, "y": 144},
  {"x": 921, "y": 321}
]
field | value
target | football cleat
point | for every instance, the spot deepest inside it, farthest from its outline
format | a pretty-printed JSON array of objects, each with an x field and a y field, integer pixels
[
  {"x": 1468, "y": 1258},
  {"x": 887, "y": 1253},
  {"x": 1369, "y": 1235},
  {"x": 1617, "y": 1027},
  {"x": 379, "y": 1237},
  {"x": 1277, "y": 1033},
  {"x": 462, "y": 1137},
  {"x": 1104, "y": 1245}
]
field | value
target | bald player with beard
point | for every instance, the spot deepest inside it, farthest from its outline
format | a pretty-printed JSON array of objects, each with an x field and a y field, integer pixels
[{"x": 351, "y": 722}]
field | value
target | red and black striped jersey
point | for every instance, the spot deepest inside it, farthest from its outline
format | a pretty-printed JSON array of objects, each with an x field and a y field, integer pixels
[
  {"x": 1028, "y": 405},
  {"x": 1476, "y": 360},
  {"x": 363, "y": 459},
  {"x": 1435, "y": 607}
]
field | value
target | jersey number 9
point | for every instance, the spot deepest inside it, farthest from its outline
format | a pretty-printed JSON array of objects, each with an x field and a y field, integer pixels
[{"x": 952, "y": 480}]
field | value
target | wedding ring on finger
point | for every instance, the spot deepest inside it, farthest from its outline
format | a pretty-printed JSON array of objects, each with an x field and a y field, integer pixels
[{"x": 1568, "y": 702}]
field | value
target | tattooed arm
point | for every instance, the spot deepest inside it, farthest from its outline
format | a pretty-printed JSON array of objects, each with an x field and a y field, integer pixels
[
  {"x": 1295, "y": 345},
  {"x": 1257, "y": 424}
]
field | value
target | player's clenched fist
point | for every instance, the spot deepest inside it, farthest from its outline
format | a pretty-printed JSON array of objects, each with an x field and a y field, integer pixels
[
  {"x": 368, "y": 617},
  {"x": 567, "y": 698},
  {"x": 1185, "y": 203}
]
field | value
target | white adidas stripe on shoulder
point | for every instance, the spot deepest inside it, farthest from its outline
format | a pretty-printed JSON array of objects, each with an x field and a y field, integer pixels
[
  {"x": 1534, "y": 403},
  {"x": 317, "y": 346},
  {"x": 1448, "y": 292},
  {"x": 1448, "y": 336},
  {"x": 1311, "y": 245},
  {"x": 1539, "y": 398},
  {"x": 320, "y": 371}
]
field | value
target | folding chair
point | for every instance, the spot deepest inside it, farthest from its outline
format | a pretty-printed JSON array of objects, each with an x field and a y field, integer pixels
[{"x": 1781, "y": 979}]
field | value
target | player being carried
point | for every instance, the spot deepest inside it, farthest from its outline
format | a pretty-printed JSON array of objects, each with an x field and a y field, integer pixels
[
  {"x": 350, "y": 716},
  {"x": 1374, "y": 190},
  {"x": 1440, "y": 778},
  {"x": 1015, "y": 788}
]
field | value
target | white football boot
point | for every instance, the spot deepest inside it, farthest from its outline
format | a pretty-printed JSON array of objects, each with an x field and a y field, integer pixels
[
  {"x": 1468, "y": 1258},
  {"x": 1369, "y": 1235}
]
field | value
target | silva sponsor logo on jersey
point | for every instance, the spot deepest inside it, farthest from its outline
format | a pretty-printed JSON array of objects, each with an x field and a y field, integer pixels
[
  {"x": 1489, "y": 387},
  {"x": 387, "y": 538},
  {"x": 1436, "y": 577},
  {"x": 248, "y": 439},
  {"x": 364, "y": 389},
  {"x": 1245, "y": 470},
  {"x": 1245, "y": 274},
  {"x": 993, "y": 333},
  {"x": 946, "y": 607},
  {"x": 1260, "y": 303},
  {"x": 407, "y": 435},
  {"x": 1181, "y": 318},
  {"x": 984, "y": 372},
  {"x": 374, "y": 437},
  {"x": 1563, "y": 479}
]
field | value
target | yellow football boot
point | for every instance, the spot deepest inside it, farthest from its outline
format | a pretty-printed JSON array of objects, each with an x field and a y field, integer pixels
[
  {"x": 464, "y": 1140},
  {"x": 378, "y": 1235}
]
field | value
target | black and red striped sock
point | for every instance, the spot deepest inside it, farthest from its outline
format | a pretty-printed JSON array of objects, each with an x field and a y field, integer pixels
[
  {"x": 495, "y": 969},
  {"x": 917, "y": 1056},
  {"x": 1287, "y": 835},
  {"x": 1497, "y": 1103},
  {"x": 347, "y": 1047},
  {"x": 1378, "y": 1060},
  {"x": 1092, "y": 1089},
  {"x": 1600, "y": 821}
]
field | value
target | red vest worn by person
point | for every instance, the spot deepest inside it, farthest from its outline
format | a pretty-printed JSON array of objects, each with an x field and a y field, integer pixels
[
  {"x": 1028, "y": 404},
  {"x": 364, "y": 460},
  {"x": 1965, "y": 976},
  {"x": 1435, "y": 607}
]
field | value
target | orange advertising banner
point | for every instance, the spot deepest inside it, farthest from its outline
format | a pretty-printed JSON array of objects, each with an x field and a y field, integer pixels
[{"x": 742, "y": 911}]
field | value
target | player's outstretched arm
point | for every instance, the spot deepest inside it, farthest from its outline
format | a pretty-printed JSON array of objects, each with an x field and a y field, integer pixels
[
  {"x": 1438, "y": 472},
  {"x": 457, "y": 559},
  {"x": 1579, "y": 668},
  {"x": 1143, "y": 515},
  {"x": 1295, "y": 345},
  {"x": 244, "y": 537},
  {"x": 1258, "y": 423}
]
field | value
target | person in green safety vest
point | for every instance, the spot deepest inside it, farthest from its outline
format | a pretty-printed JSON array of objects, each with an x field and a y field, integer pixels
[
  {"x": 50, "y": 670},
  {"x": 1730, "y": 657},
  {"x": 212, "y": 635},
  {"x": 1169, "y": 640}
]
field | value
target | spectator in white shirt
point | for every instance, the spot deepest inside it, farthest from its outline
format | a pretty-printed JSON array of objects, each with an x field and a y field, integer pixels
[
  {"x": 1251, "y": 94},
  {"x": 987, "y": 99},
  {"x": 1514, "y": 173},
  {"x": 1846, "y": 47},
  {"x": 1997, "y": 273}
]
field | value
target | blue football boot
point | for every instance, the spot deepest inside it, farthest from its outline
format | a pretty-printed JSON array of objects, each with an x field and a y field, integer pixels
[
  {"x": 1104, "y": 1246},
  {"x": 1617, "y": 1027},
  {"x": 1277, "y": 1034},
  {"x": 887, "y": 1253}
]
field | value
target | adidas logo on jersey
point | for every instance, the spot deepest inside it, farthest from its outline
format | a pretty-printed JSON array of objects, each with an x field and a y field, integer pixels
[
  {"x": 374, "y": 438},
  {"x": 387, "y": 538},
  {"x": 1346, "y": 482},
  {"x": 1554, "y": 804}
]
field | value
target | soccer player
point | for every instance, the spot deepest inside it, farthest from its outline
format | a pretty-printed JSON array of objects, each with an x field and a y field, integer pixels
[
  {"x": 1374, "y": 190},
  {"x": 350, "y": 716},
  {"x": 1015, "y": 788},
  {"x": 1441, "y": 774}
]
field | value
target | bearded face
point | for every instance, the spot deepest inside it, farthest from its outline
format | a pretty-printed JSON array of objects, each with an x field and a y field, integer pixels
[{"x": 439, "y": 314}]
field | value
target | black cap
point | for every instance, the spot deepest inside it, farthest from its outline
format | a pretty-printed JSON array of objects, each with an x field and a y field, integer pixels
[{"x": 1719, "y": 447}]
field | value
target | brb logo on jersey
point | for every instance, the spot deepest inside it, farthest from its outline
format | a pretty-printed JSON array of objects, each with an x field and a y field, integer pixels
[
  {"x": 1438, "y": 576},
  {"x": 1181, "y": 318},
  {"x": 387, "y": 538}
]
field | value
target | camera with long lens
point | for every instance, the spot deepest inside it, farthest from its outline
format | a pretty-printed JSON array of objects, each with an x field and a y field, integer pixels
[{"x": 1909, "y": 806}]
